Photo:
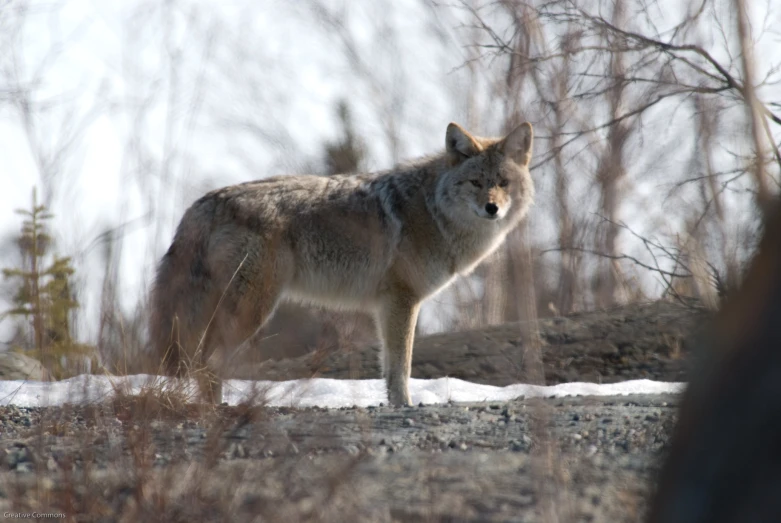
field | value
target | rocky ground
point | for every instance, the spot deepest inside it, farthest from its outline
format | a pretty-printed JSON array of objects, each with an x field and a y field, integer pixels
[{"x": 575, "y": 459}]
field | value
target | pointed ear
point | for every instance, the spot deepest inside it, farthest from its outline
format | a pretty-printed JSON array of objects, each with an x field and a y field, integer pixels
[
  {"x": 460, "y": 144},
  {"x": 518, "y": 144}
]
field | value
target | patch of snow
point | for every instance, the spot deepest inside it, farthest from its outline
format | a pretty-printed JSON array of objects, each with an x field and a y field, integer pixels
[{"x": 321, "y": 392}]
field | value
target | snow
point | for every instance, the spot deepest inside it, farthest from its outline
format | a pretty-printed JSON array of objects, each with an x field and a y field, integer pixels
[{"x": 321, "y": 392}]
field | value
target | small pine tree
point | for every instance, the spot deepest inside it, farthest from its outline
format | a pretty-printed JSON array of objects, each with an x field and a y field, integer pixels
[
  {"x": 33, "y": 243},
  {"x": 60, "y": 299},
  {"x": 44, "y": 296}
]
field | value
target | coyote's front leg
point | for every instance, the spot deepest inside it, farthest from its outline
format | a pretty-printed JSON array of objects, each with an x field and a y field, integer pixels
[{"x": 396, "y": 320}]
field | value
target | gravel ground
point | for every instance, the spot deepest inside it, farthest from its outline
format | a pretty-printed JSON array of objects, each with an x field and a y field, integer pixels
[
  {"x": 575, "y": 459},
  {"x": 584, "y": 459}
]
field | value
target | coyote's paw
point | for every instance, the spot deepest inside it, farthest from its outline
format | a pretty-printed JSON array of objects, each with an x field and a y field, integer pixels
[{"x": 399, "y": 397}]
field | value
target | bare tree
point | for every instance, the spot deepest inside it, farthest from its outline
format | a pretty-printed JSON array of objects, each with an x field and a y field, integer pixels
[{"x": 602, "y": 86}]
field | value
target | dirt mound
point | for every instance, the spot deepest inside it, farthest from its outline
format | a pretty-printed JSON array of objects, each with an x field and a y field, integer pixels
[{"x": 630, "y": 342}]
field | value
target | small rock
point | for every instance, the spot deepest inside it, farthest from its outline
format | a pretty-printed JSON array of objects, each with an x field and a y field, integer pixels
[
  {"x": 15, "y": 366},
  {"x": 24, "y": 467},
  {"x": 307, "y": 505},
  {"x": 237, "y": 451},
  {"x": 18, "y": 453},
  {"x": 409, "y": 422}
]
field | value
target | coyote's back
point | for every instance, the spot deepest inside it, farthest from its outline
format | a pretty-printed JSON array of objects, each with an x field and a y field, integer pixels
[{"x": 379, "y": 242}]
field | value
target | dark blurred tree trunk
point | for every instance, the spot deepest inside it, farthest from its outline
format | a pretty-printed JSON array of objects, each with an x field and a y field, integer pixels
[{"x": 725, "y": 460}]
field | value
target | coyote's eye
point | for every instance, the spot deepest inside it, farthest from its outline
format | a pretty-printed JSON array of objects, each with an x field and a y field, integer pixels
[
  {"x": 476, "y": 183},
  {"x": 504, "y": 183}
]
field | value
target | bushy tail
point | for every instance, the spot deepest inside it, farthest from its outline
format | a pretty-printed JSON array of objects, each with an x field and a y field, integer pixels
[
  {"x": 178, "y": 298},
  {"x": 166, "y": 353}
]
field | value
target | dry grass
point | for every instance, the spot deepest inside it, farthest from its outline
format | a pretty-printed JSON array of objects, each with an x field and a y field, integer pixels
[{"x": 126, "y": 459}]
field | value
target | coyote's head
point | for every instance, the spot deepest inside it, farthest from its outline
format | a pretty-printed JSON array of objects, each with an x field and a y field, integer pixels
[{"x": 488, "y": 178}]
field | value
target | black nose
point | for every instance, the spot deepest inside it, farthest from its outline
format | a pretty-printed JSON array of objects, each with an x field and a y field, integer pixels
[{"x": 491, "y": 208}]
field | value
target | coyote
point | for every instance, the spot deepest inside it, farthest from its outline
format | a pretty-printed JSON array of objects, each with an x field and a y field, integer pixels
[{"x": 380, "y": 243}]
